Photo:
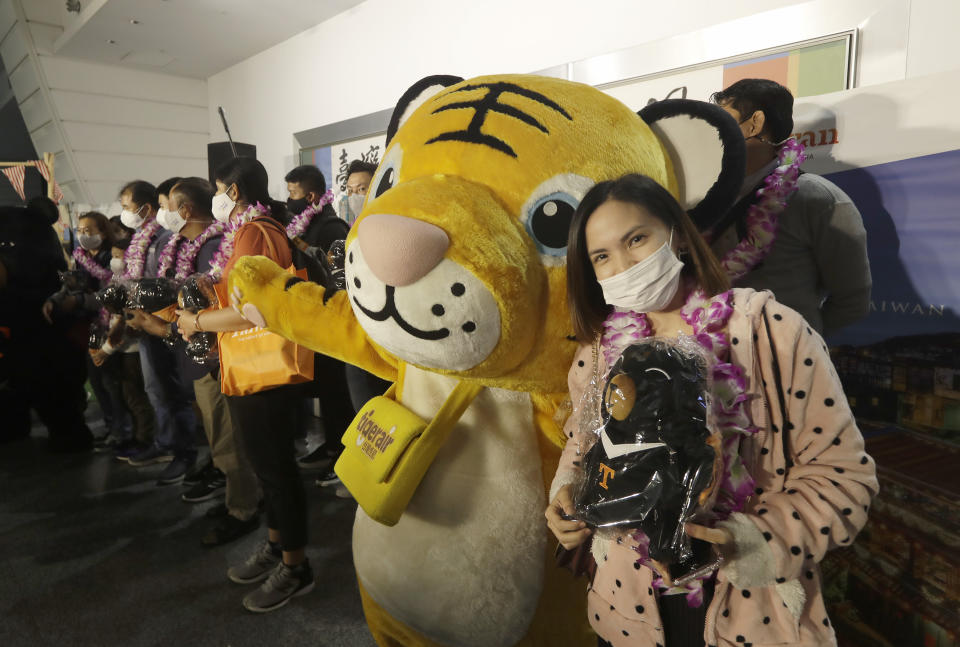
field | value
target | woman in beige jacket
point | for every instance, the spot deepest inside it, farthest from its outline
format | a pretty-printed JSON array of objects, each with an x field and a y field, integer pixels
[{"x": 797, "y": 481}]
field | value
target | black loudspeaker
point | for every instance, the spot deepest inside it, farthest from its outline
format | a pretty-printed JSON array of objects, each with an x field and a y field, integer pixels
[{"x": 219, "y": 153}]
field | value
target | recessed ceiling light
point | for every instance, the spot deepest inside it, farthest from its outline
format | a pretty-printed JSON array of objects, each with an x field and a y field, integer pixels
[
  {"x": 110, "y": 41},
  {"x": 134, "y": 21}
]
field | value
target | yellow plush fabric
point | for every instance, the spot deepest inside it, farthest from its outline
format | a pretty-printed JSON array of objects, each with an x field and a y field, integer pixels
[{"x": 563, "y": 137}]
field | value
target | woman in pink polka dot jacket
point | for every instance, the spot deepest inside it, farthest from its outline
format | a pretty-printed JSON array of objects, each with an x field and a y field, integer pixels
[{"x": 797, "y": 481}]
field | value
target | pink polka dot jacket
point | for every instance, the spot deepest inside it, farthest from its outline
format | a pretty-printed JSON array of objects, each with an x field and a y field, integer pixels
[{"x": 806, "y": 502}]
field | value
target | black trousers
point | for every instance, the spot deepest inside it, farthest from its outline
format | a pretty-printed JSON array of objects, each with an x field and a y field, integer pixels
[
  {"x": 682, "y": 624},
  {"x": 266, "y": 423}
]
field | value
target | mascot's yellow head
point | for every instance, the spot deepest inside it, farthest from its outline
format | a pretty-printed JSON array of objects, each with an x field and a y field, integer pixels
[{"x": 456, "y": 263}]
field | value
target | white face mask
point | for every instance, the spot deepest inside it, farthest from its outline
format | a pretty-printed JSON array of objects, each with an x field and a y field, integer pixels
[
  {"x": 648, "y": 286},
  {"x": 350, "y": 206},
  {"x": 171, "y": 220},
  {"x": 222, "y": 206},
  {"x": 131, "y": 219},
  {"x": 117, "y": 265}
]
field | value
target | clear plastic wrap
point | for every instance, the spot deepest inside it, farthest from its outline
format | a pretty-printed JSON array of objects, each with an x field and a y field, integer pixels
[
  {"x": 152, "y": 295},
  {"x": 336, "y": 259},
  {"x": 115, "y": 297},
  {"x": 650, "y": 461},
  {"x": 194, "y": 295}
]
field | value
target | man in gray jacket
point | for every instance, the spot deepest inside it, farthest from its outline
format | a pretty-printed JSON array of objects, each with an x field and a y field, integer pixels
[{"x": 818, "y": 262}]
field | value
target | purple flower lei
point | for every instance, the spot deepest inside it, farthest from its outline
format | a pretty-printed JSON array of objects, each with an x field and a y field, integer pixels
[
  {"x": 82, "y": 257},
  {"x": 708, "y": 318},
  {"x": 300, "y": 222},
  {"x": 762, "y": 216},
  {"x": 186, "y": 257},
  {"x": 225, "y": 251},
  {"x": 136, "y": 255}
]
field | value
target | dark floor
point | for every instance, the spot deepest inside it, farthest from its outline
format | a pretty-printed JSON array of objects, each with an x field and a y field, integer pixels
[{"x": 92, "y": 552}]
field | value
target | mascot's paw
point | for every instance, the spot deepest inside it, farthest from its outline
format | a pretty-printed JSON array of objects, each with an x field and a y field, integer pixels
[{"x": 253, "y": 285}]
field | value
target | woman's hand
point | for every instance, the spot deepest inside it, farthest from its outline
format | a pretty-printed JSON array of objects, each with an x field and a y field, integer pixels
[
  {"x": 151, "y": 324},
  {"x": 571, "y": 533},
  {"x": 720, "y": 537},
  {"x": 187, "y": 323}
]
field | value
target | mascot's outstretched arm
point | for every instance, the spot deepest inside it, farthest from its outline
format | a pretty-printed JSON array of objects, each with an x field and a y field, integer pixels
[{"x": 268, "y": 296}]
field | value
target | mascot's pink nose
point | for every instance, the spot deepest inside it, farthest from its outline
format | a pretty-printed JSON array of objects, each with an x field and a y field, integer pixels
[{"x": 400, "y": 250}]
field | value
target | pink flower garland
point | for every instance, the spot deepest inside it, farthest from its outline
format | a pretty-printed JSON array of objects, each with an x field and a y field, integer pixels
[
  {"x": 136, "y": 255},
  {"x": 83, "y": 258},
  {"x": 186, "y": 257},
  {"x": 708, "y": 318},
  {"x": 762, "y": 216},
  {"x": 225, "y": 251},
  {"x": 300, "y": 222}
]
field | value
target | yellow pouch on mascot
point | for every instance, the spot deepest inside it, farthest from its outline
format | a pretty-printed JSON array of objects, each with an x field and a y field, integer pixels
[{"x": 388, "y": 449}]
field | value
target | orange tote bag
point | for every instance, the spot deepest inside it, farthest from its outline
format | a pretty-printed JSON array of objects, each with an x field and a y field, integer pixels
[{"x": 256, "y": 359}]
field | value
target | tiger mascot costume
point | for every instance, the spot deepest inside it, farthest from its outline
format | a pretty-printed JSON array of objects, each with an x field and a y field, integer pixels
[{"x": 455, "y": 275}]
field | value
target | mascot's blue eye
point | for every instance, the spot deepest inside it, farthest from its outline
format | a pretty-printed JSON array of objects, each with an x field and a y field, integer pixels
[{"x": 549, "y": 222}]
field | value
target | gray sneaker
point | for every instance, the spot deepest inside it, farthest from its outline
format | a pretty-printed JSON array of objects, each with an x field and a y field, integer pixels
[
  {"x": 285, "y": 582},
  {"x": 151, "y": 456},
  {"x": 257, "y": 567}
]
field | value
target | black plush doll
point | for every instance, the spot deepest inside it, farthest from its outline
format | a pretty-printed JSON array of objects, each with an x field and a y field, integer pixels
[{"x": 654, "y": 461}]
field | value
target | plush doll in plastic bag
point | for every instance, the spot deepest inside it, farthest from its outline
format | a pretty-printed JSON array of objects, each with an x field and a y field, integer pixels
[
  {"x": 655, "y": 463},
  {"x": 196, "y": 294}
]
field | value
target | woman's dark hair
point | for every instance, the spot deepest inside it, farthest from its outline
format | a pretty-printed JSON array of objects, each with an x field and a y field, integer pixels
[
  {"x": 164, "y": 187},
  {"x": 141, "y": 193},
  {"x": 196, "y": 192},
  {"x": 588, "y": 310},
  {"x": 309, "y": 177},
  {"x": 103, "y": 224},
  {"x": 121, "y": 243},
  {"x": 120, "y": 230},
  {"x": 746, "y": 96},
  {"x": 251, "y": 180}
]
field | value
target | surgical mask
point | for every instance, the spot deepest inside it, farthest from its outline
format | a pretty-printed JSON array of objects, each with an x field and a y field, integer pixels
[
  {"x": 648, "y": 286},
  {"x": 222, "y": 206},
  {"x": 296, "y": 207},
  {"x": 90, "y": 242},
  {"x": 117, "y": 265},
  {"x": 171, "y": 220},
  {"x": 131, "y": 219},
  {"x": 350, "y": 207}
]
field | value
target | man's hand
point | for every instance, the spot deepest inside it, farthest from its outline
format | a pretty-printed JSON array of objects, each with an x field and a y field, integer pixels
[
  {"x": 571, "y": 533},
  {"x": 150, "y": 324},
  {"x": 47, "y": 311},
  {"x": 99, "y": 357}
]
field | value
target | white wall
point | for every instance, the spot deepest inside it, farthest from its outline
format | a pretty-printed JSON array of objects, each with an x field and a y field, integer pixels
[
  {"x": 107, "y": 125},
  {"x": 362, "y": 60}
]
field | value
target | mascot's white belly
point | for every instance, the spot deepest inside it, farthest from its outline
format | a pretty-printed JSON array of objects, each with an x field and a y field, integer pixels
[{"x": 464, "y": 565}]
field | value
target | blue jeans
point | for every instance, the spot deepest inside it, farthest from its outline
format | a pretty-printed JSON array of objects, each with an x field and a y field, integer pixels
[{"x": 170, "y": 396}]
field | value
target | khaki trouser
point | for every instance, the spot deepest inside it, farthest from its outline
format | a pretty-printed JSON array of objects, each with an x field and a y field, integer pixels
[{"x": 226, "y": 450}]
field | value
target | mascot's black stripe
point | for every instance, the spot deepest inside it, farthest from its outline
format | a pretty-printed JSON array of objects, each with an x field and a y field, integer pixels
[{"x": 490, "y": 102}]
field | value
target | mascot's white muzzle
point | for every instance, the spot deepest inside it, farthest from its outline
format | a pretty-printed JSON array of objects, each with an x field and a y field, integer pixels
[{"x": 418, "y": 305}]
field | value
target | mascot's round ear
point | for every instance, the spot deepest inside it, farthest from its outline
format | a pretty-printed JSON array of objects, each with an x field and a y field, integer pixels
[
  {"x": 43, "y": 209},
  {"x": 708, "y": 154},
  {"x": 414, "y": 98}
]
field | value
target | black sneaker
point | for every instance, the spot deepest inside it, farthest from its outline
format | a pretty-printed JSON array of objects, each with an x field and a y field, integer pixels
[
  {"x": 228, "y": 529},
  {"x": 198, "y": 472},
  {"x": 285, "y": 582},
  {"x": 174, "y": 471},
  {"x": 213, "y": 484},
  {"x": 328, "y": 479},
  {"x": 318, "y": 459}
]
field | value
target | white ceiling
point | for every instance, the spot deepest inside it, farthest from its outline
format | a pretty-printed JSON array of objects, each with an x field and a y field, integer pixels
[{"x": 195, "y": 38}]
